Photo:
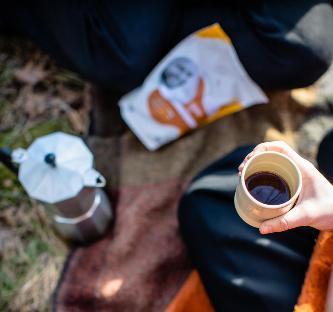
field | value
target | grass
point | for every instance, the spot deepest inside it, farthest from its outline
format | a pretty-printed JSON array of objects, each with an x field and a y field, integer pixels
[
  {"x": 31, "y": 255},
  {"x": 29, "y": 236}
]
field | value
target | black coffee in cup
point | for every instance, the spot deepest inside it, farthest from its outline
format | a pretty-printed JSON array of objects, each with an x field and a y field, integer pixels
[{"x": 268, "y": 188}]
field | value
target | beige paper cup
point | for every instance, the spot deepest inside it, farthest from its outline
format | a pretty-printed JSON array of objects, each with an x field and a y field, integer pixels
[{"x": 253, "y": 211}]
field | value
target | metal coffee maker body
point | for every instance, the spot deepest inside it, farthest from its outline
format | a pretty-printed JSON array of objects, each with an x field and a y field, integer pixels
[
  {"x": 57, "y": 169},
  {"x": 85, "y": 217}
]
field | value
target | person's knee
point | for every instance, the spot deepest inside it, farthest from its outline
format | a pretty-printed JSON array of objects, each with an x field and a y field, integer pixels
[
  {"x": 297, "y": 65},
  {"x": 311, "y": 40},
  {"x": 314, "y": 60},
  {"x": 308, "y": 68},
  {"x": 296, "y": 48}
]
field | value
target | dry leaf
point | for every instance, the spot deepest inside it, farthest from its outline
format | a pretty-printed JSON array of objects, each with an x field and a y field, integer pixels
[
  {"x": 70, "y": 96},
  {"x": 32, "y": 104},
  {"x": 77, "y": 120},
  {"x": 31, "y": 73}
]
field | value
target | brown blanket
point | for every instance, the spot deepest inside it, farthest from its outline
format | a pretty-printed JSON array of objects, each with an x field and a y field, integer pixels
[{"x": 141, "y": 263}]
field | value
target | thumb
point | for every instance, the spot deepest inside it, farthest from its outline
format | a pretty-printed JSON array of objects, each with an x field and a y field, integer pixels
[{"x": 293, "y": 218}]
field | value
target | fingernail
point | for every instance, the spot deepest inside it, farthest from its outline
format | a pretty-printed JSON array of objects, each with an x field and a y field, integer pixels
[{"x": 264, "y": 229}]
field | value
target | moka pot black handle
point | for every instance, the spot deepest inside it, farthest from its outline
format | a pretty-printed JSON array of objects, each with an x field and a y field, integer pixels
[{"x": 6, "y": 159}]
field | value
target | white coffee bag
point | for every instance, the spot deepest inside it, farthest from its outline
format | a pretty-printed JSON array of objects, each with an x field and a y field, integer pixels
[{"x": 197, "y": 82}]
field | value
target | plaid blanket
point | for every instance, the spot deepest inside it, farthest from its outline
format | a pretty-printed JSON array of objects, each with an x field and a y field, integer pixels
[{"x": 141, "y": 263}]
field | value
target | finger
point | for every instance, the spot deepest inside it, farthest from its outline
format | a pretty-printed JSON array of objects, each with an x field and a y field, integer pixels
[
  {"x": 241, "y": 166},
  {"x": 277, "y": 146},
  {"x": 294, "y": 218}
]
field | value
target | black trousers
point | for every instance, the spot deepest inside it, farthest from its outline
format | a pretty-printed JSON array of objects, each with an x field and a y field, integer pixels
[
  {"x": 115, "y": 44},
  {"x": 241, "y": 269}
]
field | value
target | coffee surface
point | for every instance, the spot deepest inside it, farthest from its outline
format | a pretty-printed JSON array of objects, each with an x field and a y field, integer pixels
[{"x": 268, "y": 188}]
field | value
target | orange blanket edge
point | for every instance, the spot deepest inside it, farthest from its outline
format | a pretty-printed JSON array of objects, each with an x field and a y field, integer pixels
[
  {"x": 314, "y": 290},
  {"x": 191, "y": 297}
]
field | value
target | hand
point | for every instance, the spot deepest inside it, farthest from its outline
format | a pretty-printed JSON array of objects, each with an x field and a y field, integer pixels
[{"x": 315, "y": 204}]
